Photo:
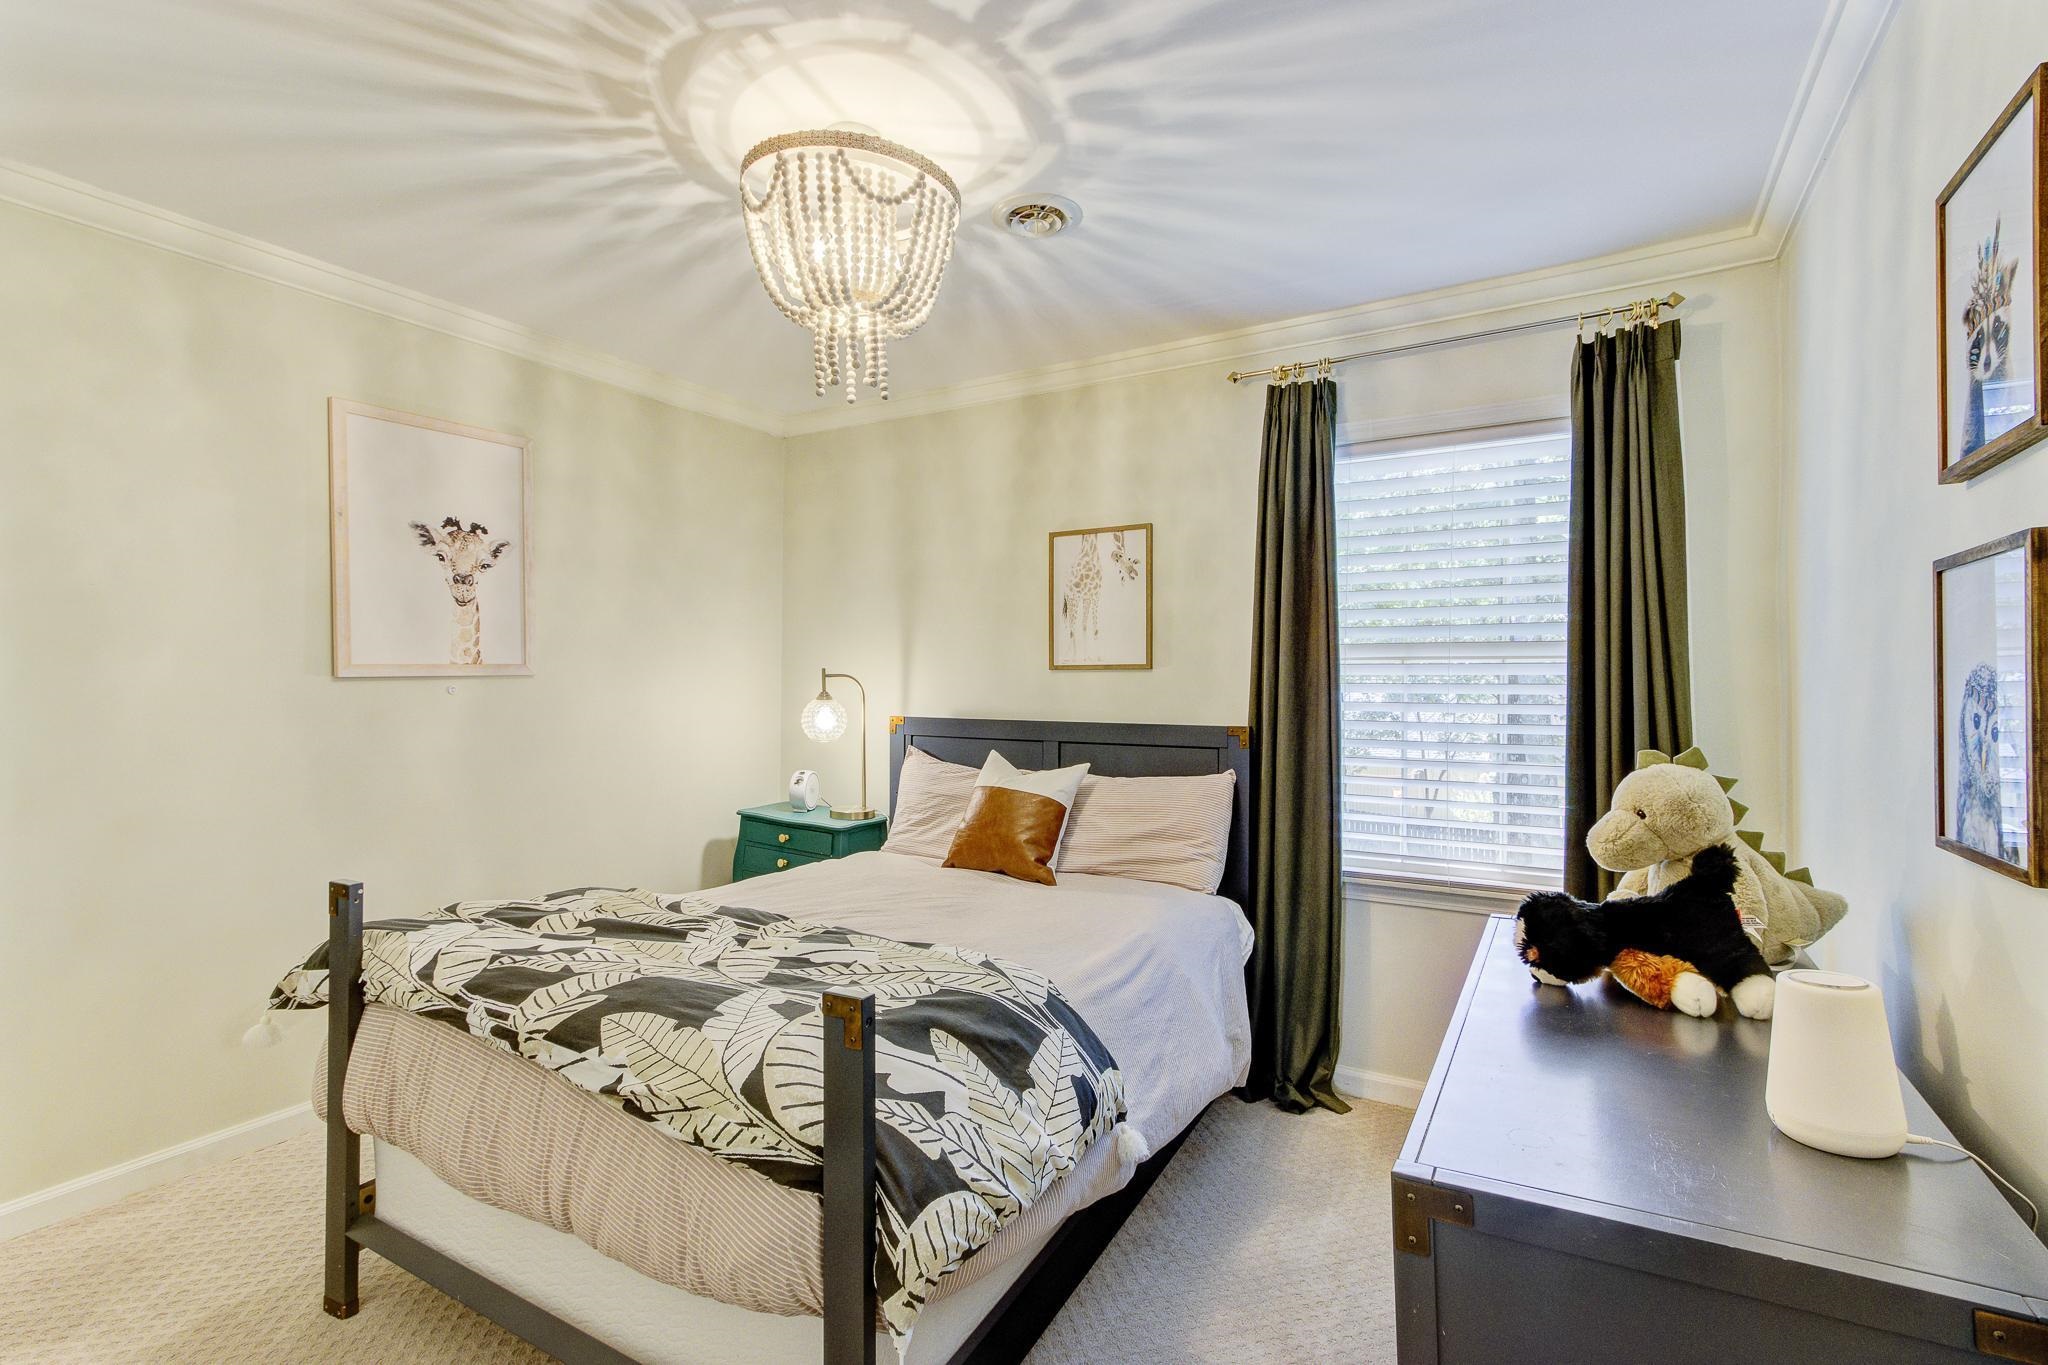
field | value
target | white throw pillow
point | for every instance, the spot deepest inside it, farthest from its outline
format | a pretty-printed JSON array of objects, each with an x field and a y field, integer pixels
[
  {"x": 1154, "y": 829},
  {"x": 931, "y": 801}
]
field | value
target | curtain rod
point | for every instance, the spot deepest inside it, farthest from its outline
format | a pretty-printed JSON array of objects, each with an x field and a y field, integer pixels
[{"x": 1642, "y": 310}]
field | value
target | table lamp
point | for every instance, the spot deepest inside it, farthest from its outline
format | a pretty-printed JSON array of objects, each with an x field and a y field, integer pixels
[{"x": 824, "y": 720}]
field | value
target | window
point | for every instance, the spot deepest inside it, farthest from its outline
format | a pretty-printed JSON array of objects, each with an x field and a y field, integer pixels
[{"x": 1451, "y": 621}]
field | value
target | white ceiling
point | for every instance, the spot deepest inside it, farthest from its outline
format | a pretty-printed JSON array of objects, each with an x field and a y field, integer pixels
[{"x": 568, "y": 164}]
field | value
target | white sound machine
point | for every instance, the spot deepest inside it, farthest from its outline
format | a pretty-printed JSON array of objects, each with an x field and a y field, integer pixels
[{"x": 803, "y": 790}]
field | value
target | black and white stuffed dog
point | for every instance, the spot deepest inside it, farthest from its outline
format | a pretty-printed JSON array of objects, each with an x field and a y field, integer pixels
[{"x": 1678, "y": 948}]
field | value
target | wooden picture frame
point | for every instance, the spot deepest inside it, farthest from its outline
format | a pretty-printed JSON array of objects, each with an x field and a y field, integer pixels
[
  {"x": 1074, "y": 607},
  {"x": 2026, "y": 117},
  {"x": 2029, "y": 549},
  {"x": 405, "y": 476}
]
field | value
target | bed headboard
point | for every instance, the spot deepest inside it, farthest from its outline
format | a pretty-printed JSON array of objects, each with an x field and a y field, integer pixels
[{"x": 1109, "y": 749}]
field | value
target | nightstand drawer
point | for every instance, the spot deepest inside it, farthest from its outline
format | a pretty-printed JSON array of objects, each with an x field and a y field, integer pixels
[
  {"x": 790, "y": 839},
  {"x": 753, "y": 859},
  {"x": 775, "y": 837}
]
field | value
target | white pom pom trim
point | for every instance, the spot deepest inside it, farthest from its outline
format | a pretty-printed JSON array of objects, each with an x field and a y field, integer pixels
[
  {"x": 264, "y": 1032},
  {"x": 1131, "y": 1145}
]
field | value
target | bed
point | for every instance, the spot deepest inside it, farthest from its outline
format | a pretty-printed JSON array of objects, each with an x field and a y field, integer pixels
[{"x": 509, "y": 1190}]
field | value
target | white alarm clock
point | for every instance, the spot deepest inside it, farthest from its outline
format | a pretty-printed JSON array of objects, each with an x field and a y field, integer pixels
[{"x": 803, "y": 790}]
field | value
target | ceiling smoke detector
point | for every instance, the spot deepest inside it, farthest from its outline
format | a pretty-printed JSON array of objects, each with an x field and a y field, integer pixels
[{"x": 1037, "y": 215}]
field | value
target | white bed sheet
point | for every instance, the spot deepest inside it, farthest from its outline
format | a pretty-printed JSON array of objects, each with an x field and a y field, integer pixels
[{"x": 1157, "y": 971}]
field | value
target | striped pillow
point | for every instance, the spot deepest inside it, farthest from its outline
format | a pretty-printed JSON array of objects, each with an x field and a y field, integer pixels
[
  {"x": 931, "y": 801},
  {"x": 1154, "y": 829}
]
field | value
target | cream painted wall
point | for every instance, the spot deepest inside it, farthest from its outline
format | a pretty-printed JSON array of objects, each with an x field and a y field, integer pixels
[
  {"x": 916, "y": 559},
  {"x": 180, "y": 775},
  {"x": 1957, "y": 949}
]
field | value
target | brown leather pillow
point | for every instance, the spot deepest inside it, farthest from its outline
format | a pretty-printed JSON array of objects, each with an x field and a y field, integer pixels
[{"x": 1015, "y": 820}]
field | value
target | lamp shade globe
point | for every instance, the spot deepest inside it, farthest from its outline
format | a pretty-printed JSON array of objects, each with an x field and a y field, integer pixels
[{"x": 824, "y": 720}]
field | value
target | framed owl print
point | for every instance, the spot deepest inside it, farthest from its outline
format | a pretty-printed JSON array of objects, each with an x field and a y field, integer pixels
[
  {"x": 1991, "y": 245},
  {"x": 1990, "y": 649}
]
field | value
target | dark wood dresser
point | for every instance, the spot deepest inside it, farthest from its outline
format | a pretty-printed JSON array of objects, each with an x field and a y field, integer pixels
[{"x": 1588, "y": 1180}]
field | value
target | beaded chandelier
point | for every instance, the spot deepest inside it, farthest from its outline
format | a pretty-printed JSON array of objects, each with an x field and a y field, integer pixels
[{"x": 851, "y": 234}]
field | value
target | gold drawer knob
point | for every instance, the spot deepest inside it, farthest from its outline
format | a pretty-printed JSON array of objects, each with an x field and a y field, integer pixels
[
  {"x": 782, "y": 838},
  {"x": 781, "y": 862}
]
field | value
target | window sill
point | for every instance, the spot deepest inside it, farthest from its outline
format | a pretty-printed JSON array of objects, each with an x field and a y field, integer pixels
[{"x": 1432, "y": 893}]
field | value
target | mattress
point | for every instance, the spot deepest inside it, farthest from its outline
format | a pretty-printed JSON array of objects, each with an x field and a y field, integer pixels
[{"x": 1157, "y": 971}]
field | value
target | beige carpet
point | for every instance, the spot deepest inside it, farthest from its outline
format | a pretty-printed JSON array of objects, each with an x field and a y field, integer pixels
[{"x": 1266, "y": 1240}]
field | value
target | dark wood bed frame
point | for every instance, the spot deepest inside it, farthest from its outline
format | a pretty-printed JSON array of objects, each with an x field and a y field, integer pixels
[{"x": 1007, "y": 1332}]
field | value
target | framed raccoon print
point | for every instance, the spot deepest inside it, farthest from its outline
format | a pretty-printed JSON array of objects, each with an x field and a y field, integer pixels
[
  {"x": 1991, "y": 245},
  {"x": 1990, "y": 649}
]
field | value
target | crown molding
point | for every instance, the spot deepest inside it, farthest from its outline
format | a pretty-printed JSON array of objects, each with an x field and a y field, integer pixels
[
  {"x": 59, "y": 196},
  {"x": 1849, "y": 39},
  {"x": 1576, "y": 283}
]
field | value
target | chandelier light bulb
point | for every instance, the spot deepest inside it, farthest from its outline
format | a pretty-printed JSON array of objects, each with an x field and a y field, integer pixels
[
  {"x": 824, "y": 720},
  {"x": 850, "y": 234}
]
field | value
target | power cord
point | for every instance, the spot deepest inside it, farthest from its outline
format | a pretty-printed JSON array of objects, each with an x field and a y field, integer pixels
[{"x": 2033, "y": 1213}]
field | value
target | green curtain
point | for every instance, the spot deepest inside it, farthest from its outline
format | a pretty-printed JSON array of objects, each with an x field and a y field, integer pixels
[
  {"x": 1297, "y": 875},
  {"x": 1627, "y": 670}
]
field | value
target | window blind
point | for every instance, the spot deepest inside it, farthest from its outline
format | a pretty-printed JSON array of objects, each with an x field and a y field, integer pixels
[{"x": 1451, "y": 560}]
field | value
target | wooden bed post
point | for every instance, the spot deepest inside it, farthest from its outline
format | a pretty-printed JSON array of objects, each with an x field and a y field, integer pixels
[
  {"x": 849, "y": 1250},
  {"x": 346, "y": 1196}
]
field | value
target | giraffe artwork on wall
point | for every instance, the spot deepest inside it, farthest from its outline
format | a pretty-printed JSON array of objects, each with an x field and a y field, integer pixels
[
  {"x": 465, "y": 554},
  {"x": 392, "y": 476},
  {"x": 1099, "y": 609}
]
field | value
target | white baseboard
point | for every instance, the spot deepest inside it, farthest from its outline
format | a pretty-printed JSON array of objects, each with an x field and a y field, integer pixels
[
  {"x": 89, "y": 1192},
  {"x": 1378, "y": 1086}
]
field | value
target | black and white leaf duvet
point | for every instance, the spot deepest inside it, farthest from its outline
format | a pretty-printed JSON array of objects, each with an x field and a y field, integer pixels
[{"x": 704, "y": 1021}]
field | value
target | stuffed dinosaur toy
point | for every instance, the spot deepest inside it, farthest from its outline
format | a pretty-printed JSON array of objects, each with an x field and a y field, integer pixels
[{"x": 1664, "y": 816}]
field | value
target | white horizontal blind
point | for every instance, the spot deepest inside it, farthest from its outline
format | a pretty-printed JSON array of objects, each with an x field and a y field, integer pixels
[{"x": 1451, "y": 618}]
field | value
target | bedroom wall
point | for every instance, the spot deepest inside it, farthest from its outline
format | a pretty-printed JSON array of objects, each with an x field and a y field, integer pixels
[
  {"x": 1956, "y": 948},
  {"x": 181, "y": 776},
  {"x": 916, "y": 559}
]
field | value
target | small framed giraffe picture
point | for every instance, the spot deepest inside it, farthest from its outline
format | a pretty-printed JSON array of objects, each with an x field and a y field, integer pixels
[
  {"x": 1990, "y": 647},
  {"x": 432, "y": 545},
  {"x": 1099, "y": 597}
]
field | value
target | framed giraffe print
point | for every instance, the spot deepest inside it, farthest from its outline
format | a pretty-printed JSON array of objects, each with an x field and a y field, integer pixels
[
  {"x": 1991, "y": 260},
  {"x": 1098, "y": 611},
  {"x": 1990, "y": 647},
  {"x": 432, "y": 543}
]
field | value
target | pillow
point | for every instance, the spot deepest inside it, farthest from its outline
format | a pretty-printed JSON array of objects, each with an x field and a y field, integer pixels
[
  {"x": 1154, "y": 829},
  {"x": 1015, "y": 820},
  {"x": 931, "y": 801}
]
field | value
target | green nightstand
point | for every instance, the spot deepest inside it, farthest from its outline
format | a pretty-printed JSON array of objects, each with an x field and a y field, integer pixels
[{"x": 775, "y": 837}]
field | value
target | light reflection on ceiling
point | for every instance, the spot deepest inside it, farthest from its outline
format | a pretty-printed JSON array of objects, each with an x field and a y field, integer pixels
[{"x": 569, "y": 164}]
